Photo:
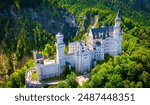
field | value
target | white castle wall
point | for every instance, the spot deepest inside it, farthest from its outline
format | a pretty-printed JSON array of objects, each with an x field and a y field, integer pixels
[
  {"x": 49, "y": 70},
  {"x": 119, "y": 44},
  {"x": 70, "y": 58},
  {"x": 73, "y": 47},
  {"x": 83, "y": 61}
]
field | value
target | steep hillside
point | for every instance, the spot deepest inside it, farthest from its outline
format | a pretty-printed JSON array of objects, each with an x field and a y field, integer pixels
[
  {"x": 31, "y": 24},
  {"x": 135, "y": 9},
  {"x": 27, "y": 25}
]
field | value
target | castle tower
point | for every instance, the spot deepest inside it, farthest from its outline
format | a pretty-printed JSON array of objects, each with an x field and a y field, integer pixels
[
  {"x": 117, "y": 35},
  {"x": 102, "y": 50},
  {"x": 60, "y": 56},
  {"x": 117, "y": 28}
]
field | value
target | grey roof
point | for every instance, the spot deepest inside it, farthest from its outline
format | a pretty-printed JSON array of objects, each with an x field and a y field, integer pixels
[
  {"x": 39, "y": 56},
  {"x": 104, "y": 32}
]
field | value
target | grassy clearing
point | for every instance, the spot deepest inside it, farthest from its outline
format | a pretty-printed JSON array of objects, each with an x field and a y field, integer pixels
[{"x": 34, "y": 76}]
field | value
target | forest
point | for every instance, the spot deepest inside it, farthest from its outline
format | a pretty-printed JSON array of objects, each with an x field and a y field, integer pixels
[{"x": 26, "y": 25}]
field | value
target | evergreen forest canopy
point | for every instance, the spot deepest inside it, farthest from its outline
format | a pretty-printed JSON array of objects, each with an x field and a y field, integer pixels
[{"x": 26, "y": 25}]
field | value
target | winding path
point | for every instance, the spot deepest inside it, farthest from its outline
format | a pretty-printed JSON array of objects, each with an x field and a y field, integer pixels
[{"x": 30, "y": 83}]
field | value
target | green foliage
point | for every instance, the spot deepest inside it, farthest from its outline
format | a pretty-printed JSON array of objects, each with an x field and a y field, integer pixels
[
  {"x": 71, "y": 80},
  {"x": 62, "y": 85},
  {"x": 135, "y": 9},
  {"x": 48, "y": 50},
  {"x": 145, "y": 78},
  {"x": 26, "y": 39},
  {"x": 35, "y": 76},
  {"x": 21, "y": 32},
  {"x": 123, "y": 71},
  {"x": 114, "y": 81},
  {"x": 17, "y": 79},
  {"x": 66, "y": 49},
  {"x": 66, "y": 70}
]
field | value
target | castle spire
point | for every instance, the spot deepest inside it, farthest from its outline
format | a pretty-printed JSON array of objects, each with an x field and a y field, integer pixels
[
  {"x": 117, "y": 20},
  {"x": 117, "y": 35},
  {"x": 118, "y": 17}
]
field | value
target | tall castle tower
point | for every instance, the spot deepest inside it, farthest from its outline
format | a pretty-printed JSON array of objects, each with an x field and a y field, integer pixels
[
  {"x": 117, "y": 35},
  {"x": 60, "y": 56}
]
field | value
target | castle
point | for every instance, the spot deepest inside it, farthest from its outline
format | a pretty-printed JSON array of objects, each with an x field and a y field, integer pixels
[{"x": 82, "y": 56}]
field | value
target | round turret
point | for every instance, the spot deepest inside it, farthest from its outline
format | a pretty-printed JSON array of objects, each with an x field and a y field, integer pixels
[{"x": 59, "y": 38}]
